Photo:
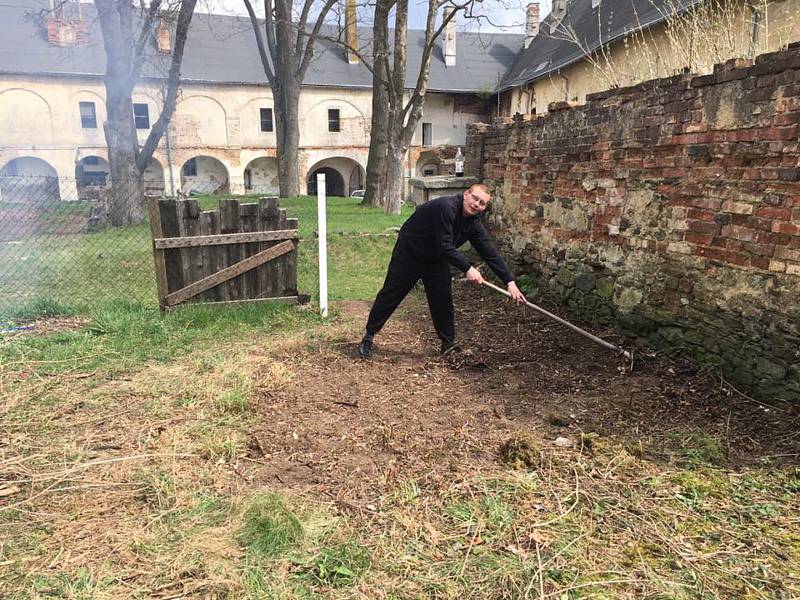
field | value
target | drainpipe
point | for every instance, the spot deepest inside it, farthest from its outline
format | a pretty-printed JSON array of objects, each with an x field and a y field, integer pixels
[{"x": 169, "y": 163}]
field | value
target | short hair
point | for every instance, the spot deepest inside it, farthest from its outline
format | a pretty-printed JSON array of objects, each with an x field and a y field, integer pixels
[{"x": 480, "y": 186}]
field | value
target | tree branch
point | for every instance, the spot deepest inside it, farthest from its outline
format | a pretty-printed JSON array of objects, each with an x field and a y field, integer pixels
[
  {"x": 301, "y": 23},
  {"x": 312, "y": 38},
  {"x": 144, "y": 155},
  {"x": 262, "y": 50},
  {"x": 144, "y": 34},
  {"x": 269, "y": 27}
]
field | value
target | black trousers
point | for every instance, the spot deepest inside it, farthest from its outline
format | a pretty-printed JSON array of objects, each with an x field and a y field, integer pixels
[{"x": 404, "y": 271}]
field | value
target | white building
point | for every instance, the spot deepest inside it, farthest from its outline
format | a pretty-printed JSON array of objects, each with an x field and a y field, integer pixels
[{"x": 52, "y": 104}]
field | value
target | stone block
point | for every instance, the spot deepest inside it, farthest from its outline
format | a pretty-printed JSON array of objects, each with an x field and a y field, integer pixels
[
  {"x": 565, "y": 277},
  {"x": 605, "y": 287},
  {"x": 585, "y": 282},
  {"x": 769, "y": 369}
]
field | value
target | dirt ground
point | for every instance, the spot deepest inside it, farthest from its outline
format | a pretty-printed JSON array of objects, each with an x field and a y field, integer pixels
[{"x": 350, "y": 428}]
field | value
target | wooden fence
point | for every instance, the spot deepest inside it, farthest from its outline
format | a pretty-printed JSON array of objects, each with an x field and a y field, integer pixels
[{"x": 240, "y": 253}]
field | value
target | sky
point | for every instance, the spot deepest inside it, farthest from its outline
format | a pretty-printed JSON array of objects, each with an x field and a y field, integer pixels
[{"x": 496, "y": 15}]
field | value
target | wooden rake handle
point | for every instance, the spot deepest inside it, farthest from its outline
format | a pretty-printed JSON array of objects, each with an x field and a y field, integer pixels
[{"x": 566, "y": 323}]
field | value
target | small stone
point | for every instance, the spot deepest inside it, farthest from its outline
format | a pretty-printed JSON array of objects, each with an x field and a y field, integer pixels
[
  {"x": 565, "y": 277},
  {"x": 584, "y": 282},
  {"x": 563, "y": 442},
  {"x": 605, "y": 287}
]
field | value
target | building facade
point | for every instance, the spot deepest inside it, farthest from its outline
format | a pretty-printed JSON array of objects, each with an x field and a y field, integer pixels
[
  {"x": 587, "y": 46},
  {"x": 222, "y": 135}
]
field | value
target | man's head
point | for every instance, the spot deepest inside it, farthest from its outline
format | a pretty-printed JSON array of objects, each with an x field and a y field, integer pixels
[{"x": 476, "y": 199}]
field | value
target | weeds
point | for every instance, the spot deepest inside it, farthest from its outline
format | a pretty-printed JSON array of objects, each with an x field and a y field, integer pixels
[
  {"x": 270, "y": 527},
  {"x": 160, "y": 490},
  {"x": 337, "y": 566}
]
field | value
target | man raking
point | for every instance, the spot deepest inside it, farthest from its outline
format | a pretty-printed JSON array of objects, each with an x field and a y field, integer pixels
[{"x": 426, "y": 248}]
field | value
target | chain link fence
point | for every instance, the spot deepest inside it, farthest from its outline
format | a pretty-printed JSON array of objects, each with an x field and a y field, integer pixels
[{"x": 56, "y": 248}]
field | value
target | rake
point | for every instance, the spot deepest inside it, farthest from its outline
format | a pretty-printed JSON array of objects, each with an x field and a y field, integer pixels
[{"x": 574, "y": 328}]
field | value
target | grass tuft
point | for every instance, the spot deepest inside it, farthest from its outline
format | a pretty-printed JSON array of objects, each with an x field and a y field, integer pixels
[
  {"x": 270, "y": 527},
  {"x": 339, "y": 565}
]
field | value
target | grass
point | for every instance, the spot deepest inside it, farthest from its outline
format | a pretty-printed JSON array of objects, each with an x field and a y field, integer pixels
[
  {"x": 128, "y": 469},
  {"x": 77, "y": 270},
  {"x": 170, "y": 398}
]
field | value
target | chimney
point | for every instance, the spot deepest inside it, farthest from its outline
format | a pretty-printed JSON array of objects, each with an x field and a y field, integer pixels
[
  {"x": 450, "y": 38},
  {"x": 531, "y": 23},
  {"x": 350, "y": 32},
  {"x": 558, "y": 13},
  {"x": 163, "y": 37}
]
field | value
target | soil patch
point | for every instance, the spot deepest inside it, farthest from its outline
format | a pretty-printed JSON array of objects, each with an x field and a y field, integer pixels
[{"x": 351, "y": 428}]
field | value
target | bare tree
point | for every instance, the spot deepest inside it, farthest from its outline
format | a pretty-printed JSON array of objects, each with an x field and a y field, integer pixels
[
  {"x": 286, "y": 54},
  {"x": 379, "y": 130},
  {"x": 126, "y": 31},
  {"x": 396, "y": 111}
]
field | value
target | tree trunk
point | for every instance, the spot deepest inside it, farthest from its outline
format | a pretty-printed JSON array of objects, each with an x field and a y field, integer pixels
[
  {"x": 126, "y": 192},
  {"x": 394, "y": 179},
  {"x": 125, "y": 200},
  {"x": 378, "y": 146},
  {"x": 394, "y": 163},
  {"x": 379, "y": 128},
  {"x": 287, "y": 129},
  {"x": 125, "y": 53}
]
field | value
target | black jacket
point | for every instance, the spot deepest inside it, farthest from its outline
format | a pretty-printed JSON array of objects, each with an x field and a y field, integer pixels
[{"x": 437, "y": 228}]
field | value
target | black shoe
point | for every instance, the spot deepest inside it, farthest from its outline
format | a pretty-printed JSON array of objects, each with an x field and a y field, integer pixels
[
  {"x": 449, "y": 348},
  {"x": 365, "y": 349}
]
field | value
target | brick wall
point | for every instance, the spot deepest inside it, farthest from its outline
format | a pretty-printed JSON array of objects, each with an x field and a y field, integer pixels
[{"x": 671, "y": 208}]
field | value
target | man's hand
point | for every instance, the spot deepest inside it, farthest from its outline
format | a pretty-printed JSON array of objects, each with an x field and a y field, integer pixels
[
  {"x": 474, "y": 276},
  {"x": 516, "y": 296}
]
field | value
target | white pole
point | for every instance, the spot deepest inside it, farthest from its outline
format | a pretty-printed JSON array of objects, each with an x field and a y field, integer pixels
[{"x": 322, "y": 228}]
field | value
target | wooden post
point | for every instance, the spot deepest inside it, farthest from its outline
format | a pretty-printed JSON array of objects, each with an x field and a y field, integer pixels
[
  {"x": 158, "y": 254},
  {"x": 168, "y": 211}
]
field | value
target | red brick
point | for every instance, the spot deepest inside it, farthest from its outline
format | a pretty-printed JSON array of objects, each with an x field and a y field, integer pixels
[
  {"x": 760, "y": 249},
  {"x": 737, "y": 258},
  {"x": 700, "y": 214},
  {"x": 780, "y": 133},
  {"x": 787, "y": 119},
  {"x": 771, "y": 212},
  {"x": 702, "y": 227},
  {"x": 712, "y": 204},
  {"x": 752, "y": 222},
  {"x": 702, "y": 239},
  {"x": 789, "y": 228},
  {"x": 760, "y": 262},
  {"x": 711, "y": 253},
  {"x": 778, "y": 239},
  {"x": 787, "y": 254}
]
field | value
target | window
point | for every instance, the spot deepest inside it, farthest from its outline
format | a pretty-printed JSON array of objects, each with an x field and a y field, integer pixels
[
  {"x": 190, "y": 167},
  {"x": 429, "y": 172},
  {"x": 88, "y": 115},
  {"x": 266, "y": 119},
  {"x": 333, "y": 119},
  {"x": 91, "y": 160},
  {"x": 141, "y": 116},
  {"x": 427, "y": 134}
]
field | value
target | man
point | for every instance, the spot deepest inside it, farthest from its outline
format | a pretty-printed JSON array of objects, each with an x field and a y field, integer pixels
[{"x": 426, "y": 247}]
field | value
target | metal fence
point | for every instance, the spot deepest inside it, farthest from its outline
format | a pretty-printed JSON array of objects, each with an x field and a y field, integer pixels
[{"x": 55, "y": 246}]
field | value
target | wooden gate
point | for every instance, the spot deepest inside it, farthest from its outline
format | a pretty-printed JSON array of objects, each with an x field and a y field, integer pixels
[{"x": 240, "y": 253}]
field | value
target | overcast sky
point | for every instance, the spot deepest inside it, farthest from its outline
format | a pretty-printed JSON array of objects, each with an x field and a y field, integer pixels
[{"x": 498, "y": 15}]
